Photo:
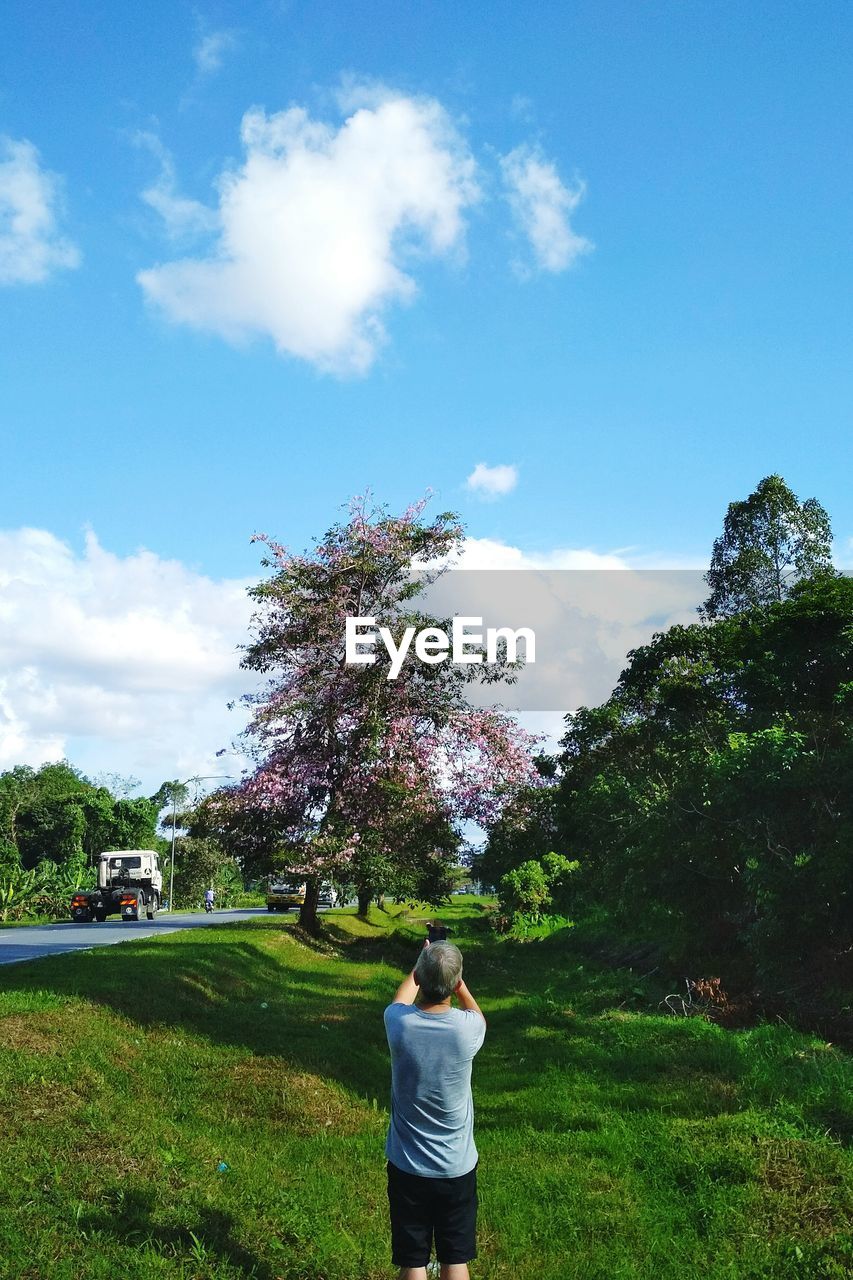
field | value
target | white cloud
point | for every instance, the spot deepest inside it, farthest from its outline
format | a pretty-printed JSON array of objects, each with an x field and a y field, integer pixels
[
  {"x": 181, "y": 215},
  {"x": 492, "y": 482},
  {"x": 209, "y": 53},
  {"x": 31, "y": 245},
  {"x": 317, "y": 226},
  {"x": 542, "y": 206},
  {"x": 489, "y": 553},
  {"x": 125, "y": 664}
]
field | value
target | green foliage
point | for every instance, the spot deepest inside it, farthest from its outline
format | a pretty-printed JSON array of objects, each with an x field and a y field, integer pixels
[
  {"x": 524, "y": 890},
  {"x": 201, "y": 862},
  {"x": 539, "y": 925},
  {"x": 18, "y": 893},
  {"x": 527, "y": 824},
  {"x": 769, "y": 541},
  {"x": 55, "y": 822},
  {"x": 43, "y": 890},
  {"x": 712, "y": 797},
  {"x": 534, "y": 886},
  {"x": 721, "y": 794}
]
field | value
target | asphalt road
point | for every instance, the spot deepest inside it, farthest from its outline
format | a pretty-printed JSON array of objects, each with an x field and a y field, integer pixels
[{"x": 29, "y": 942}]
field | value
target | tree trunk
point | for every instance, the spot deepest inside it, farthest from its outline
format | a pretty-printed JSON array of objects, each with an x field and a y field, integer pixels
[
  {"x": 308, "y": 910},
  {"x": 364, "y": 900}
]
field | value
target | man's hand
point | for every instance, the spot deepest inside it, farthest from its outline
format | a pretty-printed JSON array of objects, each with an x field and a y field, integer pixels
[{"x": 466, "y": 1000}]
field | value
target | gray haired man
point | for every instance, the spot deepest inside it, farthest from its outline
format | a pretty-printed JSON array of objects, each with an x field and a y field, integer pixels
[{"x": 432, "y": 1160}]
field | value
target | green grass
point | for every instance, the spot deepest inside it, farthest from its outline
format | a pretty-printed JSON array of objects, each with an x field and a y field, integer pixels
[{"x": 614, "y": 1143}]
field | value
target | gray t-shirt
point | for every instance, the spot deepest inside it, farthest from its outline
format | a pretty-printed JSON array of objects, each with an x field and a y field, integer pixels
[{"x": 432, "y": 1113}]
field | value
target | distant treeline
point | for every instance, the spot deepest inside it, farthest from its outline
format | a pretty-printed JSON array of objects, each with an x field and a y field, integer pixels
[{"x": 55, "y": 815}]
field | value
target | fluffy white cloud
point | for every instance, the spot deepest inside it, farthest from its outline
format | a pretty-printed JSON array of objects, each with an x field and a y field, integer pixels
[
  {"x": 317, "y": 225},
  {"x": 492, "y": 482},
  {"x": 31, "y": 244},
  {"x": 542, "y": 205},
  {"x": 124, "y": 664},
  {"x": 211, "y": 49}
]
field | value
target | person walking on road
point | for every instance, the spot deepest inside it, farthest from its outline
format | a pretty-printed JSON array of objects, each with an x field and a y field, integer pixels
[
  {"x": 208, "y": 900},
  {"x": 432, "y": 1159}
]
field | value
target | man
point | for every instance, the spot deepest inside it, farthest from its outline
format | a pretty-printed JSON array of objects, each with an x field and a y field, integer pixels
[
  {"x": 208, "y": 899},
  {"x": 432, "y": 1160}
]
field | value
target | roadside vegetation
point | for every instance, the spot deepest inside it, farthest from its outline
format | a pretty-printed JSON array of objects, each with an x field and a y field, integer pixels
[
  {"x": 213, "y": 1104},
  {"x": 55, "y": 822},
  {"x": 708, "y": 803}
]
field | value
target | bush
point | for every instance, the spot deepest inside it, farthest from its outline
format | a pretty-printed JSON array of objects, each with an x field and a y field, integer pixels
[{"x": 526, "y": 893}]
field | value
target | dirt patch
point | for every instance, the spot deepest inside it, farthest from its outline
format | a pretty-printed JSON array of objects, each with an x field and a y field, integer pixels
[
  {"x": 809, "y": 1192},
  {"x": 38, "y": 1033},
  {"x": 262, "y": 1089},
  {"x": 108, "y": 1159},
  {"x": 49, "y": 1102}
]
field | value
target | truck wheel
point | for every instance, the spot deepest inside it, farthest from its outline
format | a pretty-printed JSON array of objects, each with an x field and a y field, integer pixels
[
  {"x": 100, "y": 916},
  {"x": 140, "y": 906},
  {"x": 269, "y": 908},
  {"x": 151, "y": 909}
]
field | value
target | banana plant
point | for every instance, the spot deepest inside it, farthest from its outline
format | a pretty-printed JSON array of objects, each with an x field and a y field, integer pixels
[
  {"x": 55, "y": 885},
  {"x": 18, "y": 891}
]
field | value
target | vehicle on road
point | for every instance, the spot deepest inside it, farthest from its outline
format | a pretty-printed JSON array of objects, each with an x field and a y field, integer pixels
[
  {"x": 283, "y": 895},
  {"x": 130, "y": 883}
]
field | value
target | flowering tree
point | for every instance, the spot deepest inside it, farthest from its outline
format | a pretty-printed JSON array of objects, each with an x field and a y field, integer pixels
[{"x": 360, "y": 777}]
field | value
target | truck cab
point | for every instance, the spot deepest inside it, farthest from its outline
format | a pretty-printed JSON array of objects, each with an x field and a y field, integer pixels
[
  {"x": 121, "y": 867},
  {"x": 130, "y": 883}
]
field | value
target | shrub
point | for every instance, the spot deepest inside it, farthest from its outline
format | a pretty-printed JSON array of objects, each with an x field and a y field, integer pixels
[{"x": 529, "y": 890}]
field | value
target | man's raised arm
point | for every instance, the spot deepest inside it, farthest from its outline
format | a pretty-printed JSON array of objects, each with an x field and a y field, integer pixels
[
  {"x": 408, "y": 988},
  {"x": 466, "y": 1000}
]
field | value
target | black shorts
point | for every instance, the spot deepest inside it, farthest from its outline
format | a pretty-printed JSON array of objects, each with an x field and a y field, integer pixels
[{"x": 421, "y": 1208}]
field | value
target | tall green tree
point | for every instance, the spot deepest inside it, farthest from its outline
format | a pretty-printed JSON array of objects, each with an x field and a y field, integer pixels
[{"x": 769, "y": 542}]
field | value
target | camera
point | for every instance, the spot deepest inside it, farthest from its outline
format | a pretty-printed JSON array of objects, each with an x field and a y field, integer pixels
[{"x": 437, "y": 932}]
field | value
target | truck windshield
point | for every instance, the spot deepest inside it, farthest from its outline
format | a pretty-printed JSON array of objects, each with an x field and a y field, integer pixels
[{"x": 116, "y": 864}]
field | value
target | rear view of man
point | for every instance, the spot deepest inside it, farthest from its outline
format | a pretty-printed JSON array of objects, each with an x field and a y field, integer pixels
[{"x": 432, "y": 1160}]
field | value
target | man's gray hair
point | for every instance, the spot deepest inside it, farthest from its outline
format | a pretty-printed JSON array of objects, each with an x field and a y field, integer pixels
[{"x": 438, "y": 970}]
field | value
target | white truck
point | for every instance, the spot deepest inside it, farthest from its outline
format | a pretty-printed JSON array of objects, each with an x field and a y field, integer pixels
[{"x": 130, "y": 882}]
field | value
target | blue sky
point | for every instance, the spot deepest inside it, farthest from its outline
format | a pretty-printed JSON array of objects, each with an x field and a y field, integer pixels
[{"x": 637, "y": 383}]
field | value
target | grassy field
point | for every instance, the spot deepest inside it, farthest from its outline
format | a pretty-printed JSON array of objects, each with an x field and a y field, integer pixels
[{"x": 214, "y": 1103}]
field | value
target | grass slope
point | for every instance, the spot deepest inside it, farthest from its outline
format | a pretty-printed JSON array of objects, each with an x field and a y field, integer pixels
[{"x": 213, "y": 1104}]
